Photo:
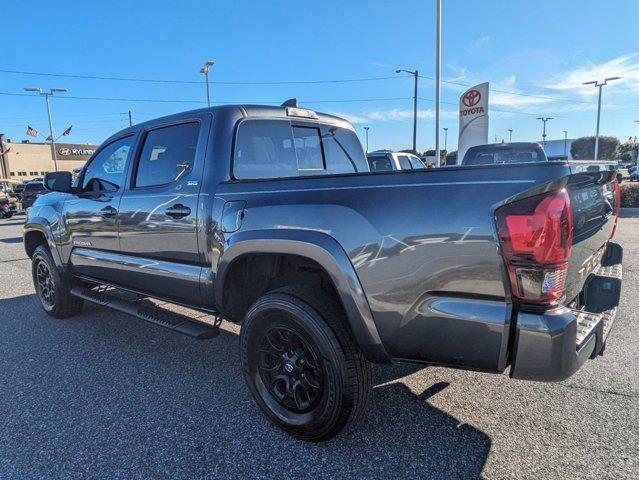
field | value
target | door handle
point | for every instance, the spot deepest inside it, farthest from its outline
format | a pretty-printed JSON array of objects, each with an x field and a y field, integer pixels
[
  {"x": 109, "y": 212},
  {"x": 178, "y": 211}
]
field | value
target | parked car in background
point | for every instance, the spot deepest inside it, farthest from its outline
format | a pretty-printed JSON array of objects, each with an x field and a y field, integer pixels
[
  {"x": 634, "y": 175},
  {"x": 387, "y": 160},
  {"x": 8, "y": 206},
  {"x": 18, "y": 188},
  {"x": 32, "y": 190},
  {"x": 504, "y": 153}
]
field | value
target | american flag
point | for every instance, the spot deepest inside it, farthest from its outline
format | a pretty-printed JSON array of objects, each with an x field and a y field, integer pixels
[
  {"x": 32, "y": 132},
  {"x": 67, "y": 132}
]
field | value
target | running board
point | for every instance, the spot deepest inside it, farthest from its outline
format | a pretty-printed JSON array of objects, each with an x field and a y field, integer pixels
[{"x": 150, "y": 313}]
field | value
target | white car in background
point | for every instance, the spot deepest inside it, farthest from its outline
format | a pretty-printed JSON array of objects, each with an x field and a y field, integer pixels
[{"x": 387, "y": 160}]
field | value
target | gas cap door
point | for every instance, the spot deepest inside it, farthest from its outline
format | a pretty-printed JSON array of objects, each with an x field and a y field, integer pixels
[{"x": 232, "y": 216}]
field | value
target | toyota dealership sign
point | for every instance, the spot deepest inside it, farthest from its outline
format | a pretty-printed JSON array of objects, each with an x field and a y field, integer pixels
[{"x": 473, "y": 118}]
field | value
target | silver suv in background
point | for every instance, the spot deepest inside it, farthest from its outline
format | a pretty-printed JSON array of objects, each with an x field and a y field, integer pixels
[{"x": 387, "y": 160}]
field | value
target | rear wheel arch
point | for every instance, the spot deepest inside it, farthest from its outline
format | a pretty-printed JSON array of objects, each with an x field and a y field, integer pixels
[{"x": 312, "y": 250}]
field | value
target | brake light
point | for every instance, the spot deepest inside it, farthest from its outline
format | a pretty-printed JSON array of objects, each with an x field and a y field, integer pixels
[
  {"x": 617, "y": 206},
  {"x": 535, "y": 235}
]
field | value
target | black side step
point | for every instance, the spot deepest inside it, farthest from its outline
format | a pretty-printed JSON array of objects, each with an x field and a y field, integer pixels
[{"x": 150, "y": 313}]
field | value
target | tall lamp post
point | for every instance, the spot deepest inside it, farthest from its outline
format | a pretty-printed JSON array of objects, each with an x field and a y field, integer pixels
[
  {"x": 205, "y": 71},
  {"x": 445, "y": 129},
  {"x": 416, "y": 75},
  {"x": 46, "y": 95},
  {"x": 565, "y": 143},
  {"x": 543, "y": 134},
  {"x": 367, "y": 129},
  {"x": 599, "y": 85},
  {"x": 510, "y": 135},
  {"x": 438, "y": 79}
]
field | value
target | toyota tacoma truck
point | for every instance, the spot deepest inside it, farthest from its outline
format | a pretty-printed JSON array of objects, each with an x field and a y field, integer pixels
[{"x": 270, "y": 217}]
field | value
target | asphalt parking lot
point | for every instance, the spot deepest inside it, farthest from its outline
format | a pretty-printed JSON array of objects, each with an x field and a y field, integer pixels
[{"x": 106, "y": 396}]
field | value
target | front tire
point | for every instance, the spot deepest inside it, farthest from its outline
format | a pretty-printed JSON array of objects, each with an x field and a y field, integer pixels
[
  {"x": 303, "y": 367},
  {"x": 53, "y": 291}
]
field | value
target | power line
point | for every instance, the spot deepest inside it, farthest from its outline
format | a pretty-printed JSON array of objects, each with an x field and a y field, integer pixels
[
  {"x": 197, "y": 82},
  {"x": 200, "y": 102},
  {"x": 292, "y": 82}
]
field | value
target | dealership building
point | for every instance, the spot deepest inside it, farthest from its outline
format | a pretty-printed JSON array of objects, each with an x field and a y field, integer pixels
[{"x": 27, "y": 160}]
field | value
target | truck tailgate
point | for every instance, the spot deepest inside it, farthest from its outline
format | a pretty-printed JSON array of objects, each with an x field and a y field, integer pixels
[{"x": 593, "y": 203}]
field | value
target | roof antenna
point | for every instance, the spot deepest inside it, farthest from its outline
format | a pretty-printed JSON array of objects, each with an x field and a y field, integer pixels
[{"x": 291, "y": 102}]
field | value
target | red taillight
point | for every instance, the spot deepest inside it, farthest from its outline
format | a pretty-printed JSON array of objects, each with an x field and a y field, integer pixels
[
  {"x": 535, "y": 235},
  {"x": 617, "y": 206}
]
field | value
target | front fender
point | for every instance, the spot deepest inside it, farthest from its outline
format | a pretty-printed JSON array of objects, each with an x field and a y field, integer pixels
[
  {"x": 328, "y": 253},
  {"x": 42, "y": 225}
]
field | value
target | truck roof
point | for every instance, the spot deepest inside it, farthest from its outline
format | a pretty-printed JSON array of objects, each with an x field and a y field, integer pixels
[{"x": 239, "y": 111}]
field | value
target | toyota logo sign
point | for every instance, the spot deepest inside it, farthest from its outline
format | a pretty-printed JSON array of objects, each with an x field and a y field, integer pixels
[{"x": 471, "y": 98}]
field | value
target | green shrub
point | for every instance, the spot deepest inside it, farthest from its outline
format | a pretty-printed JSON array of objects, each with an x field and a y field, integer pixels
[{"x": 629, "y": 195}]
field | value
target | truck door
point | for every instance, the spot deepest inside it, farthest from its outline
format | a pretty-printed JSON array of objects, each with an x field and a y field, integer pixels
[
  {"x": 92, "y": 215},
  {"x": 158, "y": 212}
]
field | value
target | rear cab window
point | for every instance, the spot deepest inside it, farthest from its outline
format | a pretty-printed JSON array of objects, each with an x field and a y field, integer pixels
[
  {"x": 283, "y": 148},
  {"x": 380, "y": 163}
]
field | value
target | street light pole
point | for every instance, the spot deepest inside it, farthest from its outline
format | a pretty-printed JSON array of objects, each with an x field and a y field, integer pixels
[
  {"x": 510, "y": 135},
  {"x": 445, "y": 139},
  {"x": 600, "y": 85},
  {"x": 46, "y": 95},
  {"x": 205, "y": 71},
  {"x": 543, "y": 135},
  {"x": 565, "y": 143},
  {"x": 438, "y": 74},
  {"x": 416, "y": 75},
  {"x": 367, "y": 129}
]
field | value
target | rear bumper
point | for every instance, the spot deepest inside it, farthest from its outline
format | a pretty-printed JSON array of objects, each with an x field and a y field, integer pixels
[{"x": 552, "y": 345}]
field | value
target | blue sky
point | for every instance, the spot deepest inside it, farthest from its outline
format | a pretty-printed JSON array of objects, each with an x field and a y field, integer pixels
[{"x": 535, "y": 54}]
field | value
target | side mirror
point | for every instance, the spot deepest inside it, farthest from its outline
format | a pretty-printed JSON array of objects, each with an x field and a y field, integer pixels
[{"x": 58, "y": 182}]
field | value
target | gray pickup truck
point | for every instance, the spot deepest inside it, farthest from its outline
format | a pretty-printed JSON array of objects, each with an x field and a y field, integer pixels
[{"x": 270, "y": 217}]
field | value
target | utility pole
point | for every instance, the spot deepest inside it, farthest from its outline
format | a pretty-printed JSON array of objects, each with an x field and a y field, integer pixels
[
  {"x": 416, "y": 75},
  {"x": 438, "y": 77},
  {"x": 565, "y": 143},
  {"x": 510, "y": 135},
  {"x": 46, "y": 95},
  {"x": 599, "y": 85},
  {"x": 205, "y": 71},
  {"x": 543, "y": 135},
  {"x": 445, "y": 139},
  {"x": 367, "y": 129},
  {"x": 130, "y": 119}
]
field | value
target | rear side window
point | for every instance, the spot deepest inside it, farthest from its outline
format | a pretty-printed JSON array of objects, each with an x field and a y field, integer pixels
[
  {"x": 404, "y": 162},
  {"x": 167, "y": 155},
  {"x": 416, "y": 162},
  {"x": 277, "y": 149}
]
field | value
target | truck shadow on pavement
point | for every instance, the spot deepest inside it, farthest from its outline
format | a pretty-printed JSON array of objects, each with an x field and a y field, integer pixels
[{"x": 111, "y": 395}]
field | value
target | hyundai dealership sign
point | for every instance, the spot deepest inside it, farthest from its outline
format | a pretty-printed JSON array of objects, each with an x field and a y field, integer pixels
[{"x": 473, "y": 118}]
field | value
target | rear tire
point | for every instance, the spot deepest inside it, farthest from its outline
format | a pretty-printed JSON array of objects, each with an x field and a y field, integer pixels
[
  {"x": 301, "y": 363},
  {"x": 53, "y": 291}
]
